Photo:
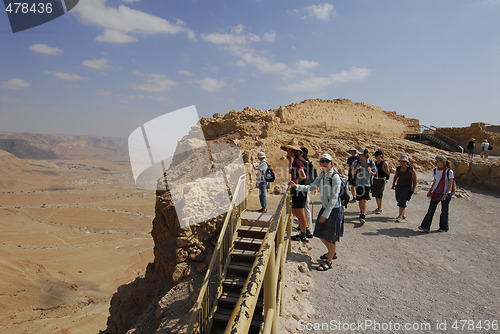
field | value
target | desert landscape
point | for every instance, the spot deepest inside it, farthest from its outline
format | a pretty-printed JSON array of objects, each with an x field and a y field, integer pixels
[{"x": 75, "y": 228}]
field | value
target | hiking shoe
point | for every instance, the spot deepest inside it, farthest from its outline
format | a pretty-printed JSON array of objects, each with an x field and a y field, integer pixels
[
  {"x": 296, "y": 228},
  {"x": 299, "y": 237},
  {"x": 424, "y": 230},
  {"x": 263, "y": 210},
  {"x": 377, "y": 211},
  {"x": 308, "y": 234},
  {"x": 352, "y": 200},
  {"x": 400, "y": 219},
  {"x": 362, "y": 219},
  {"x": 442, "y": 230}
]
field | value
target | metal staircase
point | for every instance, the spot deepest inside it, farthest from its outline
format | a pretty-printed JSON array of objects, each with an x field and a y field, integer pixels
[
  {"x": 249, "y": 239},
  {"x": 243, "y": 286},
  {"x": 434, "y": 137}
]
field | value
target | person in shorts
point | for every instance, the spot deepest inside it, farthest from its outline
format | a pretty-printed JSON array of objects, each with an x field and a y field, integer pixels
[
  {"x": 351, "y": 179},
  {"x": 364, "y": 169},
  {"x": 296, "y": 168},
  {"x": 380, "y": 179}
]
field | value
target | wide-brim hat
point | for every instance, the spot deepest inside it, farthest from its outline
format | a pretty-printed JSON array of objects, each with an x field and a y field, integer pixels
[
  {"x": 440, "y": 158},
  {"x": 363, "y": 151},
  {"x": 352, "y": 149},
  {"x": 404, "y": 158},
  {"x": 293, "y": 145}
]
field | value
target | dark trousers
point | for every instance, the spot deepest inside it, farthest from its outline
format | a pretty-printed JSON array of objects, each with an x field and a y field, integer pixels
[{"x": 443, "y": 217}]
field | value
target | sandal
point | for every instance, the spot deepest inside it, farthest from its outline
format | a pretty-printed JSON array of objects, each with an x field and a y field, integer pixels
[
  {"x": 324, "y": 256},
  {"x": 324, "y": 266}
]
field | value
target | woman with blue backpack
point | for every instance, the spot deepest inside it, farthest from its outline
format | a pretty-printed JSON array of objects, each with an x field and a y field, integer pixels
[{"x": 330, "y": 223}]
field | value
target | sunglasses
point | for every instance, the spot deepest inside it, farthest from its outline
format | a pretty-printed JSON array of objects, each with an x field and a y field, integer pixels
[{"x": 324, "y": 161}]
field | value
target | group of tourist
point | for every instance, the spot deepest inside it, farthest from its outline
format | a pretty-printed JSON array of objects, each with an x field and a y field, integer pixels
[
  {"x": 365, "y": 177},
  {"x": 485, "y": 148}
]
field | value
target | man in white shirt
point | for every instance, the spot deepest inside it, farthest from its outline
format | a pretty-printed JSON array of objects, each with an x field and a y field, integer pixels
[{"x": 484, "y": 149}]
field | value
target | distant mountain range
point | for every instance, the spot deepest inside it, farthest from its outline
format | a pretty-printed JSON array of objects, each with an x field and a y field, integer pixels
[{"x": 48, "y": 147}]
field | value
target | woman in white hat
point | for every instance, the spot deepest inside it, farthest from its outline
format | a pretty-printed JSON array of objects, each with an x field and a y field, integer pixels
[{"x": 330, "y": 223}]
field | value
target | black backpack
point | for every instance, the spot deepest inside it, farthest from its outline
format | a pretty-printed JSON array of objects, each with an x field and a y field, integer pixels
[
  {"x": 344, "y": 190},
  {"x": 490, "y": 148},
  {"x": 269, "y": 174},
  {"x": 310, "y": 171}
]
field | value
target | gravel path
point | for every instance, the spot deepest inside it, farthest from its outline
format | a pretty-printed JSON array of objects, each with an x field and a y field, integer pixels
[{"x": 390, "y": 278}]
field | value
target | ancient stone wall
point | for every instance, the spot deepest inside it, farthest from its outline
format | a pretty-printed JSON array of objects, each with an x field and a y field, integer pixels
[
  {"x": 479, "y": 173},
  {"x": 478, "y": 131}
]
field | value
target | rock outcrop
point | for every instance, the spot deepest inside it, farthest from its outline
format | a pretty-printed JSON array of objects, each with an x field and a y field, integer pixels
[{"x": 167, "y": 291}]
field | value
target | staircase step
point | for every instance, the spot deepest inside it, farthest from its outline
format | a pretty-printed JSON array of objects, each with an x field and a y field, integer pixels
[
  {"x": 258, "y": 232},
  {"x": 231, "y": 298},
  {"x": 247, "y": 243},
  {"x": 222, "y": 316},
  {"x": 239, "y": 268},
  {"x": 243, "y": 255},
  {"x": 234, "y": 284}
]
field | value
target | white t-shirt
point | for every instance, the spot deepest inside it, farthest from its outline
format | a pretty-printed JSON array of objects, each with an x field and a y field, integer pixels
[
  {"x": 262, "y": 167},
  {"x": 439, "y": 174},
  {"x": 485, "y": 145}
]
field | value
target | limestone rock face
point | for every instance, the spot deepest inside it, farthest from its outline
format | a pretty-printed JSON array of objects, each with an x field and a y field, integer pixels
[{"x": 182, "y": 247}]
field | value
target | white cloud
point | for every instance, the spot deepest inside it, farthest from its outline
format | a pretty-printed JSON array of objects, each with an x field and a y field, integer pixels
[
  {"x": 66, "y": 76},
  {"x": 105, "y": 92},
  {"x": 210, "y": 84},
  {"x": 115, "y": 36},
  {"x": 235, "y": 38},
  {"x": 45, "y": 49},
  {"x": 15, "y": 83},
  {"x": 123, "y": 24},
  {"x": 153, "y": 82},
  {"x": 131, "y": 1},
  {"x": 316, "y": 83},
  {"x": 321, "y": 12},
  {"x": 270, "y": 36},
  {"x": 97, "y": 64},
  {"x": 250, "y": 56},
  {"x": 185, "y": 73}
]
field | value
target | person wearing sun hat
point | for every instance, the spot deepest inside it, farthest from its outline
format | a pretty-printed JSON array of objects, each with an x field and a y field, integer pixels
[
  {"x": 484, "y": 149},
  {"x": 470, "y": 148},
  {"x": 261, "y": 181},
  {"x": 296, "y": 168},
  {"x": 380, "y": 179},
  {"x": 330, "y": 223},
  {"x": 439, "y": 192},
  {"x": 404, "y": 183},
  {"x": 364, "y": 169}
]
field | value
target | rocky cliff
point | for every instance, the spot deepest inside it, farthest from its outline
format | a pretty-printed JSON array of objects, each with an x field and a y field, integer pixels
[{"x": 160, "y": 301}]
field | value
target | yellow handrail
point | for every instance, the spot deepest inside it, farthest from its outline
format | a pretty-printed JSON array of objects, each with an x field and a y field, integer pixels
[
  {"x": 206, "y": 303},
  {"x": 268, "y": 266}
]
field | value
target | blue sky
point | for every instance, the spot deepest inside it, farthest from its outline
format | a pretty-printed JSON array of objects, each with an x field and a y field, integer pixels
[{"x": 108, "y": 66}]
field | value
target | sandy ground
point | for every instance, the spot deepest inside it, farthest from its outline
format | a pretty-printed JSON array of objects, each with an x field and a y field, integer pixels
[
  {"x": 69, "y": 237},
  {"x": 390, "y": 275}
]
